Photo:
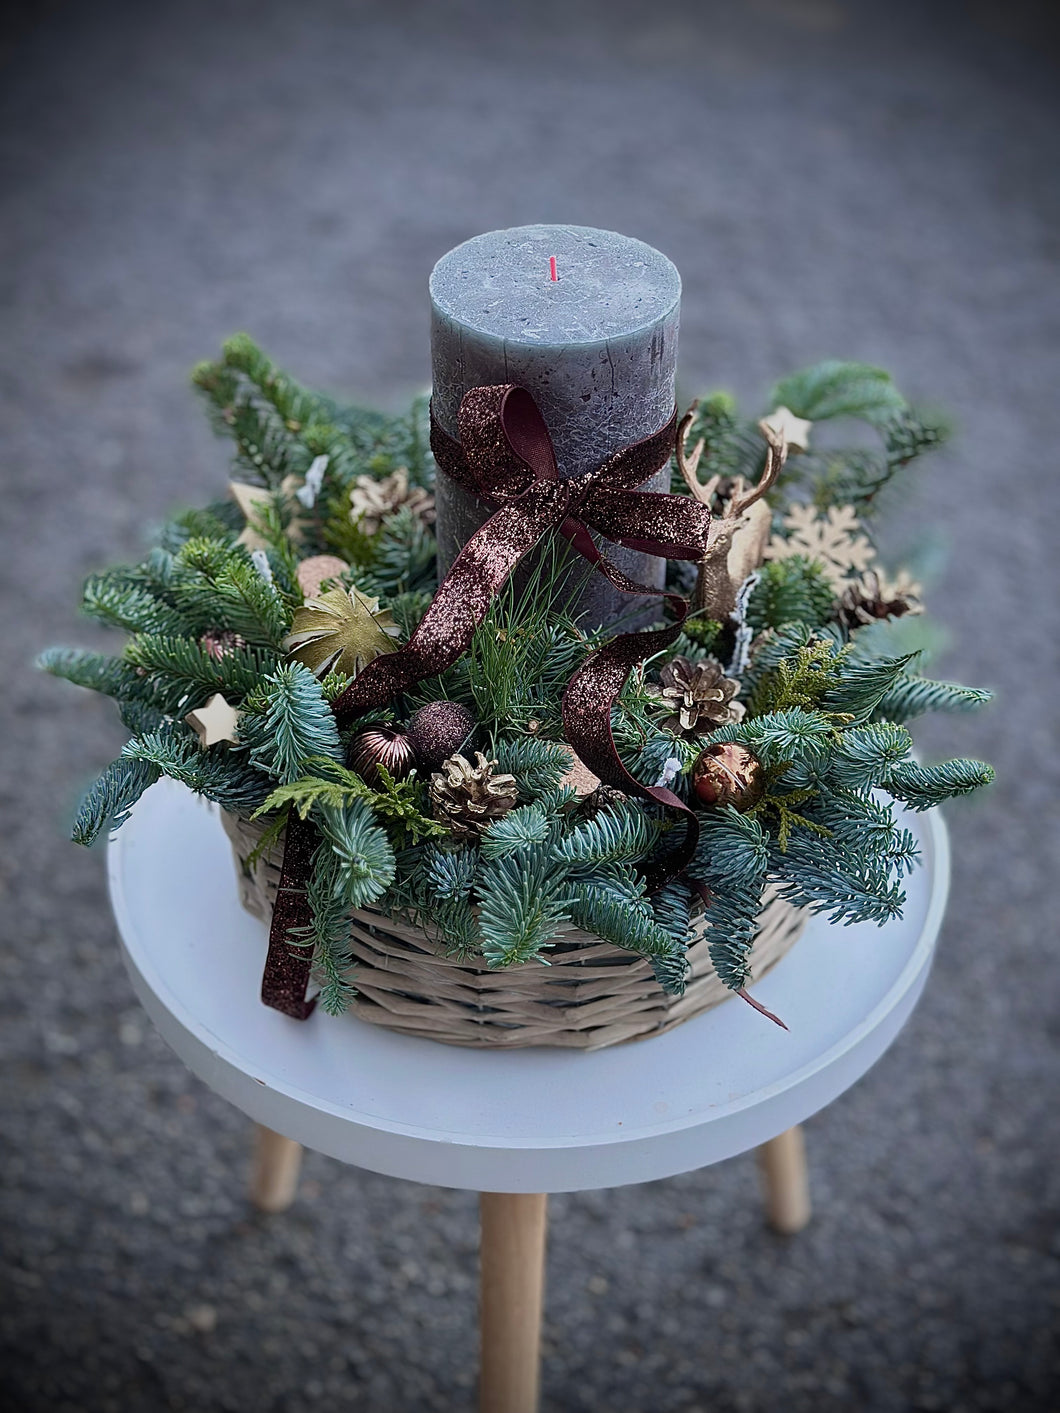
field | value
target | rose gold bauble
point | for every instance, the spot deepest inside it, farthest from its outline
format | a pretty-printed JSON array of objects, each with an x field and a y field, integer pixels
[{"x": 380, "y": 746}]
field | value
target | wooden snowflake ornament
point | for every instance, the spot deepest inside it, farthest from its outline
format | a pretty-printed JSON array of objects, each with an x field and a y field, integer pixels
[
  {"x": 833, "y": 540},
  {"x": 214, "y": 722}
]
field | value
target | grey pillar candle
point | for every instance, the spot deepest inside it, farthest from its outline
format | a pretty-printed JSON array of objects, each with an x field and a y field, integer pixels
[{"x": 597, "y": 348}]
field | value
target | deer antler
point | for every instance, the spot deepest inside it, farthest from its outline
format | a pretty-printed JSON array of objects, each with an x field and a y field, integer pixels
[
  {"x": 776, "y": 455},
  {"x": 688, "y": 465}
]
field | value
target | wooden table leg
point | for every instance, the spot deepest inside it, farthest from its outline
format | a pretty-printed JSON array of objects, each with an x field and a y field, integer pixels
[
  {"x": 513, "y": 1283},
  {"x": 782, "y": 1162},
  {"x": 277, "y": 1161}
]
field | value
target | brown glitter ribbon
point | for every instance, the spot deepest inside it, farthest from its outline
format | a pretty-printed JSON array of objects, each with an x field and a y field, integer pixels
[
  {"x": 505, "y": 458},
  {"x": 287, "y": 967}
]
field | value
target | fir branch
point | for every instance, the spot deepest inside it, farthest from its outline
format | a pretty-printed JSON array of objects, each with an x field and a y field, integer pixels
[
  {"x": 115, "y": 601},
  {"x": 861, "y": 684},
  {"x": 793, "y": 590},
  {"x": 847, "y": 884},
  {"x": 112, "y": 676},
  {"x": 671, "y": 907},
  {"x": 922, "y": 787},
  {"x": 537, "y": 765},
  {"x": 731, "y": 923},
  {"x": 834, "y": 388},
  {"x": 781, "y": 738},
  {"x": 367, "y": 860},
  {"x": 524, "y": 901},
  {"x": 222, "y": 520},
  {"x": 272, "y": 835},
  {"x": 180, "y": 670},
  {"x": 295, "y": 724},
  {"x": 109, "y": 800},
  {"x": 623, "y": 916},
  {"x": 865, "y": 755},
  {"x": 609, "y": 838},
  {"x": 403, "y": 561},
  {"x": 217, "y": 586},
  {"x": 450, "y": 873},
  {"x": 517, "y": 831},
  {"x": 911, "y": 696},
  {"x": 328, "y": 933},
  {"x": 733, "y": 848},
  {"x": 215, "y": 773}
]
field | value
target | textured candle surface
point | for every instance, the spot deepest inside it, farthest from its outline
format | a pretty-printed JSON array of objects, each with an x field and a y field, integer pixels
[{"x": 597, "y": 348}]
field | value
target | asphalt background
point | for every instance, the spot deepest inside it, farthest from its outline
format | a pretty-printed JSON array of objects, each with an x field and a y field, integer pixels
[{"x": 832, "y": 178}]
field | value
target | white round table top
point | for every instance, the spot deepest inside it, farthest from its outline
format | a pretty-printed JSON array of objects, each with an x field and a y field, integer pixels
[{"x": 534, "y": 1120}]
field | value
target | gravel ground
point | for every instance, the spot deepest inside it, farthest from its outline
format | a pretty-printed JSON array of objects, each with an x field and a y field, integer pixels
[{"x": 831, "y": 178}]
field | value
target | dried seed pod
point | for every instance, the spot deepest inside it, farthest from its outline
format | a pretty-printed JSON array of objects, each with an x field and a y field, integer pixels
[{"x": 728, "y": 774}]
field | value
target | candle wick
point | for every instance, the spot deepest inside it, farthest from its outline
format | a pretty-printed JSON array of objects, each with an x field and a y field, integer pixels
[{"x": 552, "y": 273}]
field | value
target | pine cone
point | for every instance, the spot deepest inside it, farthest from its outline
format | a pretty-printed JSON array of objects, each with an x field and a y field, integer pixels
[
  {"x": 874, "y": 596},
  {"x": 372, "y": 501},
  {"x": 469, "y": 797},
  {"x": 701, "y": 696}
]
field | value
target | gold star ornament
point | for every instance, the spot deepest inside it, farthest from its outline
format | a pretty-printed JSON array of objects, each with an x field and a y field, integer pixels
[{"x": 214, "y": 722}]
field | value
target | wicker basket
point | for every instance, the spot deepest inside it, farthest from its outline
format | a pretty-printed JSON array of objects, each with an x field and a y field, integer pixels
[{"x": 593, "y": 994}]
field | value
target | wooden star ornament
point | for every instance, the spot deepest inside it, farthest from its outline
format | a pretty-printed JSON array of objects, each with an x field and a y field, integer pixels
[
  {"x": 214, "y": 722},
  {"x": 794, "y": 430}
]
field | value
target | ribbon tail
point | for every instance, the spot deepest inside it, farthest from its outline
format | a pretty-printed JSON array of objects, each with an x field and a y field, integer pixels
[
  {"x": 287, "y": 968},
  {"x": 587, "y": 703},
  {"x": 457, "y": 609}
]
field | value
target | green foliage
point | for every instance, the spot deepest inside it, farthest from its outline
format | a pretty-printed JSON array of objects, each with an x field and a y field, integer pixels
[
  {"x": 401, "y": 559},
  {"x": 96, "y": 671},
  {"x": 836, "y": 389},
  {"x": 824, "y": 714},
  {"x": 609, "y": 838},
  {"x": 217, "y": 586},
  {"x": 517, "y": 831},
  {"x": 791, "y": 590},
  {"x": 524, "y": 902},
  {"x": 733, "y": 850},
  {"x": 924, "y": 786},
  {"x": 536, "y": 764},
  {"x": 216, "y": 773},
  {"x": 866, "y": 755},
  {"x": 291, "y": 725},
  {"x": 181, "y": 674},
  {"x": 860, "y": 686},
  {"x": 109, "y": 800},
  {"x": 362, "y": 849},
  {"x": 450, "y": 873},
  {"x": 329, "y": 785},
  {"x": 119, "y": 602},
  {"x": 910, "y": 696},
  {"x": 802, "y": 678}
]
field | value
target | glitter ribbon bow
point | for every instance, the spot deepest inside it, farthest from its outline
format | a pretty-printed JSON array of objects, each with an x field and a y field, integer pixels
[{"x": 505, "y": 458}]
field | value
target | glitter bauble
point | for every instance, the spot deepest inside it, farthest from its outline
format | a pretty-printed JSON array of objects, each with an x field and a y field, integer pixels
[
  {"x": 438, "y": 731},
  {"x": 728, "y": 774},
  {"x": 380, "y": 746}
]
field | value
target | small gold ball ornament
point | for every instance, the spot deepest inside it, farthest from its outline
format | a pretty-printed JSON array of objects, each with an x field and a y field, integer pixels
[{"x": 728, "y": 774}]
